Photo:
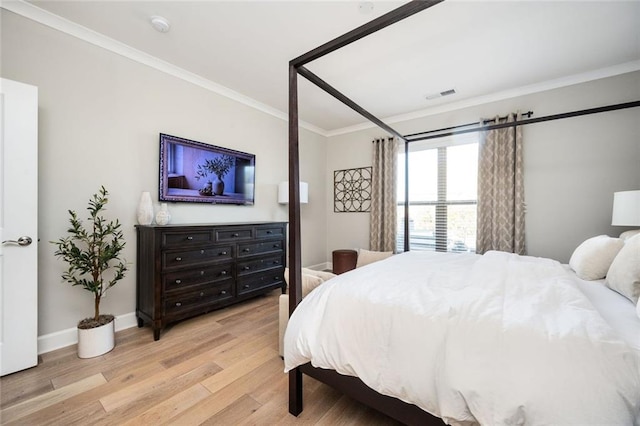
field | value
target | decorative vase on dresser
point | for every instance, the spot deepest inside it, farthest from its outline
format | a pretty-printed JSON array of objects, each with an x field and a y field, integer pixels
[
  {"x": 188, "y": 270},
  {"x": 163, "y": 216},
  {"x": 145, "y": 209}
]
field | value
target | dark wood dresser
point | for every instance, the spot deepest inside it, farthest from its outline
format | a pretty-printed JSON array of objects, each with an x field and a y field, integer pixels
[{"x": 187, "y": 270}]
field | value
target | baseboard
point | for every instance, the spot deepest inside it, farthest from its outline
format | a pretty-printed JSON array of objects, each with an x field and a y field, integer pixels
[
  {"x": 321, "y": 266},
  {"x": 60, "y": 339}
]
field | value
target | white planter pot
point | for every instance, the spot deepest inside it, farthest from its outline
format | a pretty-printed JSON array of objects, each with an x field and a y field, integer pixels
[{"x": 97, "y": 341}]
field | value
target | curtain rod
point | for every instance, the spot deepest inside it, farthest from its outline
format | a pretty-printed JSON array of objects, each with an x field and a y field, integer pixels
[
  {"x": 532, "y": 120},
  {"x": 475, "y": 123}
]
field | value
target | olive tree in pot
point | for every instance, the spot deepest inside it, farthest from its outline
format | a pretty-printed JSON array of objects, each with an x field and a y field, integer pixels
[{"x": 93, "y": 254}]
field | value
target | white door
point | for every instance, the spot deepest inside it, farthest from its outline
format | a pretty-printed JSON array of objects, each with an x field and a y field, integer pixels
[{"x": 18, "y": 226}]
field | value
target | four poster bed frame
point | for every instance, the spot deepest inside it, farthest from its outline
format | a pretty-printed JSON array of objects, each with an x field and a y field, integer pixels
[{"x": 352, "y": 386}]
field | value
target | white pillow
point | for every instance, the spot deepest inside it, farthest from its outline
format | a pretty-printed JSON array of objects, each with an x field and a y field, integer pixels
[
  {"x": 366, "y": 257},
  {"x": 591, "y": 259},
  {"x": 628, "y": 234},
  {"x": 624, "y": 273}
]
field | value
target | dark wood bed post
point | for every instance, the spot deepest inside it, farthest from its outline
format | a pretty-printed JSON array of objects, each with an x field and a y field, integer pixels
[
  {"x": 295, "y": 266},
  {"x": 297, "y": 66}
]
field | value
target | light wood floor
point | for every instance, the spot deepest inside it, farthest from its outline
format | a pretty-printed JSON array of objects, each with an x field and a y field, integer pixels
[{"x": 221, "y": 368}]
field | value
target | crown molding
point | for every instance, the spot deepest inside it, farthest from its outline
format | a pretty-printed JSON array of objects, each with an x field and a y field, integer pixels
[
  {"x": 585, "y": 77},
  {"x": 66, "y": 26}
]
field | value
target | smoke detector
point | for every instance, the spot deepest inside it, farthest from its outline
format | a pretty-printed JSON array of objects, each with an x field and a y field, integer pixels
[
  {"x": 437, "y": 95},
  {"x": 160, "y": 23}
]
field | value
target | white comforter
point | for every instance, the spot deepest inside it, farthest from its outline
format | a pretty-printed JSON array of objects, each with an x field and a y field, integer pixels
[{"x": 494, "y": 339}]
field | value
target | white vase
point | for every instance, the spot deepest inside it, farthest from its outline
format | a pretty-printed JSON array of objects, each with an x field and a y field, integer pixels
[
  {"x": 96, "y": 341},
  {"x": 145, "y": 209},
  {"x": 163, "y": 216}
]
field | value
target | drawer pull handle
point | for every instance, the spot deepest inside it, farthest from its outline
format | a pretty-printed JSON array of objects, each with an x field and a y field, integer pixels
[
  {"x": 276, "y": 278},
  {"x": 246, "y": 250},
  {"x": 222, "y": 253},
  {"x": 235, "y": 234},
  {"x": 223, "y": 292},
  {"x": 247, "y": 286},
  {"x": 223, "y": 272},
  {"x": 246, "y": 268},
  {"x": 178, "y": 259},
  {"x": 275, "y": 262},
  {"x": 269, "y": 232},
  {"x": 189, "y": 238},
  {"x": 178, "y": 303},
  {"x": 201, "y": 293},
  {"x": 201, "y": 273},
  {"x": 276, "y": 246},
  {"x": 178, "y": 281}
]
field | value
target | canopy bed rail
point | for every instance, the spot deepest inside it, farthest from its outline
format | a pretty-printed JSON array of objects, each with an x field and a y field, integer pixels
[
  {"x": 362, "y": 31},
  {"x": 352, "y": 386},
  {"x": 458, "y": 130},
  {"x": 348, "y": 102}
]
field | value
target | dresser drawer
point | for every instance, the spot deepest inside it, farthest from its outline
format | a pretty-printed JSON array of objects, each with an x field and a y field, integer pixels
[
  {"x": 251, "y": 249},
  {"x": 235, "y": 234},
  {"x": 250, "y": 266},
  {"x": 270, "y": 232},
  {"x": 268, "y": 279},
  {"x": 183, "y": 238},
  {"x": 177, "y": 304},
  {"x": 179, "y": 258},
  {"x": 183, "y": 280},
  {"x": 191, "y": 269}
]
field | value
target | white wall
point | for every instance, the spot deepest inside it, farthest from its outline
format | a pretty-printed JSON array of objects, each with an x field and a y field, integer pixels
[
  {"x": 99, "y": 119},
  {"x": 572, "y": 166},
  {"x": 100, "y": 115}
]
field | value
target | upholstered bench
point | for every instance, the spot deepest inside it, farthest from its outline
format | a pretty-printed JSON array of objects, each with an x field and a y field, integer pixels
[{"x": 310, "y": 280}]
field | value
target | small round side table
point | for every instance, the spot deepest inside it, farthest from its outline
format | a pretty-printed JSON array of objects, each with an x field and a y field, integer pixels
[{"x": 344, "y": 260}]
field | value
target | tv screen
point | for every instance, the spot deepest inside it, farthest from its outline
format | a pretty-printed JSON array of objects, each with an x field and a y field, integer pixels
[{"x": 197, "y": 172}]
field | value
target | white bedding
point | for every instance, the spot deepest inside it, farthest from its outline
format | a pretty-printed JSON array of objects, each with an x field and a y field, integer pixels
[
  {"x": 494, "y": 339},
  {"x": 616, "y": 309}
]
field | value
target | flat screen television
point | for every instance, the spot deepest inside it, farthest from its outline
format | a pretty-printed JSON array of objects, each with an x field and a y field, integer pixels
[{"x": 196, "y": 172}]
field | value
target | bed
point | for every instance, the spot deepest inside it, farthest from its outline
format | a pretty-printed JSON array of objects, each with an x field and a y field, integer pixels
[
  {"x": 449, "y": 396},
  {"x": 491, "y": 339}
]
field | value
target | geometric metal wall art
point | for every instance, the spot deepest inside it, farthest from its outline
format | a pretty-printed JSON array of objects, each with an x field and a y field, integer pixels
[{"x": 352, "y": 190}]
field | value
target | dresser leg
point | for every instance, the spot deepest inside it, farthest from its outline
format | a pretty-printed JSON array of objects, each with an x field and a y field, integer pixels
[
  {"x": 156, "y": 334},
  {"x": 140, "y": 322}
]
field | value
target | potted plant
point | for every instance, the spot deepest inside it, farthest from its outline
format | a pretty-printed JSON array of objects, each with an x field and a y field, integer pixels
[
  {"x": 219, "y": 166},
  {"x": 93, "y": 254}
]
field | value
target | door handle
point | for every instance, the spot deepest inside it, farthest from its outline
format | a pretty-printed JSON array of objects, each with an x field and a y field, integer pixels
[{"x": 22, "y": 241}]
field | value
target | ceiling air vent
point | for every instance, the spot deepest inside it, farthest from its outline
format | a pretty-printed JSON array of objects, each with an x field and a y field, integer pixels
[{"x": 441, "y": 94}]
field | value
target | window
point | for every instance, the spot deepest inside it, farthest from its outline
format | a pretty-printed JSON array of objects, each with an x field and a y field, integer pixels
[{"x": 443, "y": 182}]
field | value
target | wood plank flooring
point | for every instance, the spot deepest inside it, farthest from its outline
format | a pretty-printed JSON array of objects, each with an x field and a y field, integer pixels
[{"x": 222, "y": 368}]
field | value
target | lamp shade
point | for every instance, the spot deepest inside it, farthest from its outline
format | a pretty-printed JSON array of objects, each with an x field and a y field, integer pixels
[
  {"x": 283, "y": 193},
  {"x": 626, "y": 208}
]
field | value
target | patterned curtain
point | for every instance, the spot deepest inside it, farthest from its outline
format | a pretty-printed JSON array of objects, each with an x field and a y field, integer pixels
[
  {"x": 382, "y": 229},
  {"x": 501, "y": 205}
]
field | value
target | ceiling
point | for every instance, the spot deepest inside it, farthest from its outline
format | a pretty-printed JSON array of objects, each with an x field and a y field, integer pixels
[{"x": 478, "y": 48}]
